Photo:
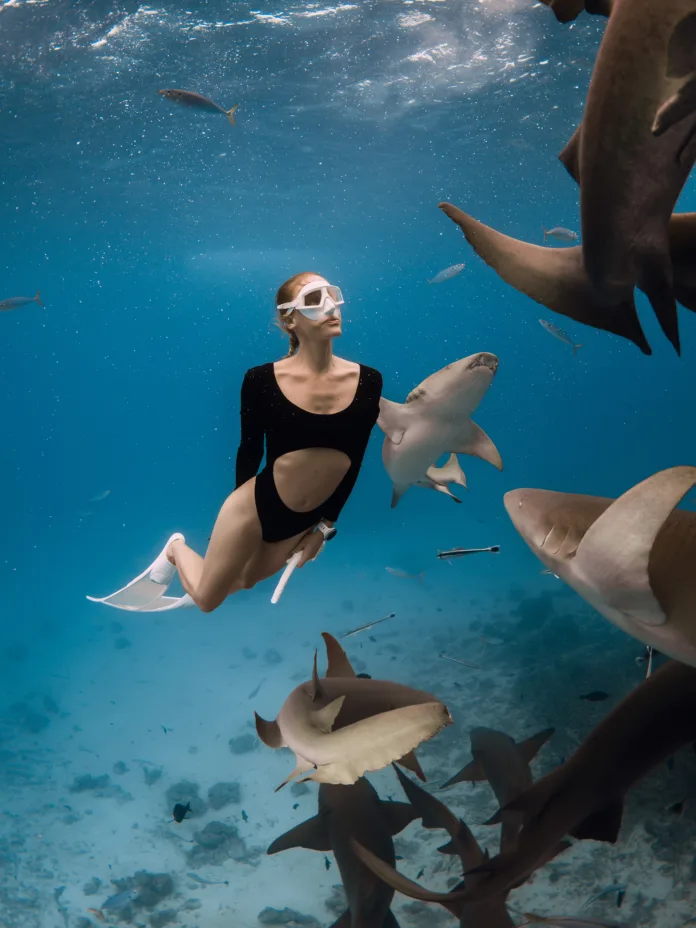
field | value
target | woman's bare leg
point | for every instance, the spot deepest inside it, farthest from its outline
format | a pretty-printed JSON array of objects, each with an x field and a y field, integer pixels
[{"x": 235, "y": 540}]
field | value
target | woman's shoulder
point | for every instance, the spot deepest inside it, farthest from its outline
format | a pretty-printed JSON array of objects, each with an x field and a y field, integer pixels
[
  {"x": 258, "y": 374},
  {"x": 372, "y": 375}
]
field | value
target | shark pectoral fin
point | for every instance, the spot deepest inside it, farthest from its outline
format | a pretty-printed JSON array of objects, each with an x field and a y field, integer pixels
[
  {"x": 411, "y": 762},
  {"x": 474, "y": 441},
  {"x": 398, "y": 815},
  {"x": 570, "y": 156},
  {"x": 679, "y": 106},
  {"x": 531, "y": 747},
  {"x": 446, "y": 490},
  {"x": 311, "y": 835},
  {"x": 450, "y": 472},
  {"x": 302, "y": 767},
  {"x": 612, "y": 560},
  {"x": 472, "y": 773},
  {"x": 323, "y": 719},
  {"x": 602, "y": 825},
  {"x": 269, "y": 732},
  {"x": 397, "y": 492},
  {"x": 393, "y": 419},
  {"x": 338, "y": 663},
  {"x": 402, "y": 884},
  {"x": 450, "y": 847}
]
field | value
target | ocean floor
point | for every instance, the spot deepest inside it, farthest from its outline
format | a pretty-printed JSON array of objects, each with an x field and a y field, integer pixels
[{"x": 99, "y": 738}]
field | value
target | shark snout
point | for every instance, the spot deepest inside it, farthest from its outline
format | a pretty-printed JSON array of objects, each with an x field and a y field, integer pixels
[
  {"x": 527, "y": 516},
  {"x": 484, "y": 359}
]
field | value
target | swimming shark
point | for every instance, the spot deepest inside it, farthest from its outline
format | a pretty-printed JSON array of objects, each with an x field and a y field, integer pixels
[
  {"x": 436, "y": 419},
  {"x": 339, "y": 727},
  {"x": 354, "y": 813},
  {"x": 631, "y": 558},
  {"x": 505, "y": 765},
  {"x": 556, "y": 277},
  {"x": 632, "y": 166},
  {"x": 489, "y": 913},
  {"x": 584, "y": 796}
]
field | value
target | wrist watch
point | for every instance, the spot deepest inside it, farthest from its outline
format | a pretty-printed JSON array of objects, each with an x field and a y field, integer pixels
[{"x": 328, "y": 531}]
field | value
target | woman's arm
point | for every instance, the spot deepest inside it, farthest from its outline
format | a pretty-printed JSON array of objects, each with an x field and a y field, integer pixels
[{"x": 250, "y": 451}]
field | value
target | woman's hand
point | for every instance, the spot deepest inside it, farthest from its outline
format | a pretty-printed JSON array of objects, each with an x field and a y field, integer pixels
[{"x": 310, "y": 545}]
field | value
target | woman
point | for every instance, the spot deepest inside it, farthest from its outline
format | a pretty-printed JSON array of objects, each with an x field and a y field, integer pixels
[{"x": 316, "y": 412}]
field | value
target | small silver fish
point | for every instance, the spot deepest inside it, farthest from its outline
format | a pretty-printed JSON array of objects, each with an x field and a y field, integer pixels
[
  {"x": 455, "y": 660},
  {"x": 197, "y": 100},
  {"x": 608, "y": 891},
  {"x": 462, "y": 552},
  {"x": 120, "y": 900},
  {"x": 560, "y": 234},
  {"x": 97, "y": 498},
  {"x": 559, "y": 334},
  {"x": 403, "y": 575},
  {"x": 200, "y": 879},
  {"x": 14, "y": 302},
  {"x": 364, "y": 628},
  {"x": 447, "y": 274}
]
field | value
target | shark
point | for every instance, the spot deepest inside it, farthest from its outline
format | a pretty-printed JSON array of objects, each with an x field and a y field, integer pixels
[
  {"x": 584, "y": 796},
  {"x": 342, "y": 726},
  {"x": 557, "y": 279},
  {"x": 635, "y": 148},
  {"x": 505, "y": 765},
  {"x": 632, "y": 558},
  {"x": 354, "y": 813},
  {"x": 490, "y": 912},
  {"x": 436, "y": 419}
]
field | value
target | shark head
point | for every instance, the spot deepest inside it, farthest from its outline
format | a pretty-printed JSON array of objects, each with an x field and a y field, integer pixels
[{"x": 458, "y": 388}]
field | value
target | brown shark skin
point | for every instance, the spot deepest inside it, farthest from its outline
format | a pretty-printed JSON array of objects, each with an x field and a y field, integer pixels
[
  {"x": 506, "y": 768},
  {"x": 554, "y": 277},
  {"x": 682, "y": 247},
  {"x": 556, "y": 523},
  {"x": 647, "y": 727},
  {"x": 631, "y": 180},
  {"x": 490, "y": 913},
  {"x": 349, "y": 813},
  {"x": 568, "y": 10}
]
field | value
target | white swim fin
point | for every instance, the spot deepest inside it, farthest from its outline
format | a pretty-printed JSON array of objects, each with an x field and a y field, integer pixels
[{"x": 145, "y": 591}]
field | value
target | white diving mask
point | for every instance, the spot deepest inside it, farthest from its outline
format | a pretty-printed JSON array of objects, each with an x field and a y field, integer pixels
[{"x": 315, "y": 300}]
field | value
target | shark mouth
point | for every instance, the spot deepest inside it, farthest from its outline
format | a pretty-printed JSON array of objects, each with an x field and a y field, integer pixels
[{"x": 484, "y": 360}]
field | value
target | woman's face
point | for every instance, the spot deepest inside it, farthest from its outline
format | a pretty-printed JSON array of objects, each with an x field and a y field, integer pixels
[{"x": 316, "y": 330}]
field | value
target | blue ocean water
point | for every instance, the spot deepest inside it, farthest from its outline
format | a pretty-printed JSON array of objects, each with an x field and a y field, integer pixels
[{"x": 158, "y": 236}]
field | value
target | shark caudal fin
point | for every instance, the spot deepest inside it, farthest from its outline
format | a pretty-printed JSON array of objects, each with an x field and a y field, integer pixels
[
  {"x": 231, "y": 112},
  {"x": 37, "y": 298},
  {"x": 575, "y": 348}
]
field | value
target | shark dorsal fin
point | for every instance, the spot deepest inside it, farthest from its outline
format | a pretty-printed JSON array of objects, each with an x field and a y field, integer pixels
[
  {"x": 338, "y": 663},
  {"x": 317, "y": 691},
  {"x": 613, "y": 557}
]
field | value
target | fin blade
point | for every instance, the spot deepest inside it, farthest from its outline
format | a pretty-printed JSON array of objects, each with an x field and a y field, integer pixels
[
  {"x": 477, "y": 443},
  {"x": 530, "y": 748},
  {"x": 398, "y": 815},
  {"x": 323, "y": 719},
  {"x": 410, "y": 761},
  {"x": 602, "y": 825},
  {"x": 472, "y": 773},
  {"x": 230, "y": 113}
]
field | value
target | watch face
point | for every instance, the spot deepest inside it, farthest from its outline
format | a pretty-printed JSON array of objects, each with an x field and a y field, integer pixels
[{"x": 330, "y": 533}]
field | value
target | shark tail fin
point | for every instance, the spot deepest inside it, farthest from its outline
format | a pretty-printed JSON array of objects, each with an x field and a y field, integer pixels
[
  {"x": 231, "y": 112},
  {"x": 575, "y": 348},
  {"x": 420, "y": 577},
  {"x": 37, "y": 298}
]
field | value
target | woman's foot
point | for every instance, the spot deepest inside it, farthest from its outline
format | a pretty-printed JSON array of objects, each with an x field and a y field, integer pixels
[{"x": 163, "y": 570}]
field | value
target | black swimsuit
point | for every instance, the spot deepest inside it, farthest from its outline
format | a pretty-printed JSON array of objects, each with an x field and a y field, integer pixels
[{"x": 266, "y": 411}]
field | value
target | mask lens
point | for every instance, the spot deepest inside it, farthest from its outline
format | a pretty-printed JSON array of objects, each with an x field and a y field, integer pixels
[
  {"x": 313, "y": 298},
  {"x": 335, "y": 294}
]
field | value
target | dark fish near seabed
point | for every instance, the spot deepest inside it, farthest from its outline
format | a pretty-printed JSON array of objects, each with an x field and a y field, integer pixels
[
  {"x": 245, "y": 816},
  {"x": 256, "y": 691},
  {"x": 363, "y": 676},
  {"x": 14, "y": 302},
  {"x": 560, "y": 234},
  {"x": 595, "y": 696},
  {"x": 180, "y": 812},
  {"x": 119, "y": 901},
  {"x": 364, "y": 628},
  {"x": 559, "y": 334},
  {"x": 197, "y": 100},
  {"x": 327, "y": 863},
  {"x": 462, "y": 552},
  {"x": 678, "y": 808},
  {"x": 447, "y": 274},
  {"x": 200, "y": 879},
  {"x": 608, "y": 891}
]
